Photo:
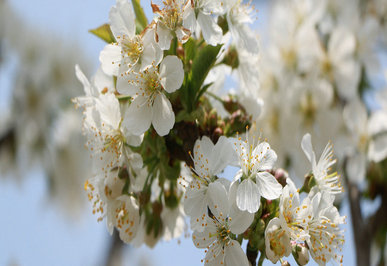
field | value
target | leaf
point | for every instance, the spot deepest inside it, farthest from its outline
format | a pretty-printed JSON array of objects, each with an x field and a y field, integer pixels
[
  {"x": 203, "y": 90},
  {"x": 189, "y": 50},
  {"x": 104, "y": 32},
  {"x": 141, "y": 20},
  {"x": 202, "y": 64}
]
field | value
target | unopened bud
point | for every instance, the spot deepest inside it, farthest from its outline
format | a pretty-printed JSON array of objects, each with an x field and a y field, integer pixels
[
  {"x": 301, "y": 254},
  {"x": 281, "y": 175}
]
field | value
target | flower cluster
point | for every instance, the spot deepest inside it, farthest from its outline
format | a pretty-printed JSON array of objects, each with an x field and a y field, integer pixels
[
  {"x": 160, "y": 135},
  {"x": 321, "y": 57}
]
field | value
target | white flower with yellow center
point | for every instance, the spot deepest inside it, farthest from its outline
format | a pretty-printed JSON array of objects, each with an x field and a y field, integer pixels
[
  {"x": 292, "y": 215},
  {"x": 326, "y": 238},
  {"x": 107, "y": 139},
  {"x": 209, "y": 160},
  {"x": 224, "y": 221},
  {"x": 149, "y": 103},
  {"x": 368, "y": 138},
  {"x": 200, "y": 12},
  {"x": 131, "y": 50},
  {"x": 256, "y": 181},
  {"x": 277, "y": 241},
  {"x": 329, "y": 182},
  {"x": 169, "y": 23},
  {"x": 238, "y": 16}
]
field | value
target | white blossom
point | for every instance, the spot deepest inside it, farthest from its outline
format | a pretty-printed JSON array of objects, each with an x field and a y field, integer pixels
[
  {"x": 326, "y": 181},
  {"x": 149, "y": 103},
  {"x": 256, "y": 181},
  {"x": 209, "y": 161},
  {"x": 219, "y": 225},
  {"x": 130, "y": 50}
]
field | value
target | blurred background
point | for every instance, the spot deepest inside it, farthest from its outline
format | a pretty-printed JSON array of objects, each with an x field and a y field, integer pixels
[{"x": 43, "y": 165}]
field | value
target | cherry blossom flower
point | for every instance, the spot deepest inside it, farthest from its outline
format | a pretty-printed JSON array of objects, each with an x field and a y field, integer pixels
[
  {"x": 256, "y": 181},
  {"x": 130, "y": 50},
  {"x": 209, "y": 160},
  {"x": 326, "y": 238},
  {"x": 169, "y": 23},
  {"x": 329, "y": 182},
  {"x": 200, "y": 13},
  {"x": 224, "y": 220},
  {"x": 277, "y": 241},
  {"x": 149, "y": 103}
]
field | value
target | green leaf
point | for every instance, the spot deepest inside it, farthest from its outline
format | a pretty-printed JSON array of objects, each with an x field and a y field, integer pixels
[
  {"x": 141, "y": 20},
  {"x": 104, "y": 32},
  {"x": 202, "y": 90},
  {"x": 201, "y": 65},
  {"x": 189, "y": 50}
]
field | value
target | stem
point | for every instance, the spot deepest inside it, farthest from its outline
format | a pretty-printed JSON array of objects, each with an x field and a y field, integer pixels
[
  {"x": 364, "y": 231},
  {"x": 114, "y": 256}
]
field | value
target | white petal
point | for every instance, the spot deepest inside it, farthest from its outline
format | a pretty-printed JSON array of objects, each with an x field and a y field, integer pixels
[
  {"x": 342, "y": 43},
  {"x": 203, "y": 239},
  {"x": 171, "y": 73},
  {"x": 110, "y": 58},
  {"x": 102, "y": 81},
  {"x": 157, "y": 53},
  {"x": 306, "y": 145},
  {"x": 218, "y": 203},
  {"x": 268, "y": 186},
  {"x": 241, "y": 220},
  {"x": 126, "y": 84},
  {"x": 234, "y": 254},
  {"x": 164, "y": 37},
  {"x": 266, "y": 157},
  {"x": 356, "y": 167},
  {"x": 189, "y": 19},
  {"x": 163, "y": 116},
  {"x": 138, "y": 117},
  {"x": 122, "y": 19},
  {"x": 377, "y": 150},
  {"x": 82, "y": 78},
  {"x": 355, "y": 117},
  {"x": 211, "y": 31},
  {"x": 377, "y": 122},
  {"x": 347, "y": 76},
  {"x": 214, "y": 256},
  {"x": 109, "y": 109},
  {"x": 222, "y": 155},
  {"x": 248, "y": 196}
]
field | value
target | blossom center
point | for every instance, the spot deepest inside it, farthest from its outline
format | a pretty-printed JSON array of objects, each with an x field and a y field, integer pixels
[{"x": 132, "y": 49}]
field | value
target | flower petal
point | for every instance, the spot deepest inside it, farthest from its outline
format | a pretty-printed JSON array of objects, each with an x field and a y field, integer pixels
[
  {"x": 122, "y": 19},
  {"x": 110, "y": 58},
  {"x": 234, "y": 254},
  {"x": 239, "y": 220},
  {"x": 171, "y": 73},
  {"x": 164, "y": 37},
  {"x": 377, "y": 150},
  {"x": 306, "y": 145},
  {"x": 218, "y": 202},
  {"x": 163, "y": 116},
  {"x": 138, "y": 117},
  {"x": 248, "y": 196},
  {"x": 211, "y": 31},
  {"x": 268, "y": 186}
]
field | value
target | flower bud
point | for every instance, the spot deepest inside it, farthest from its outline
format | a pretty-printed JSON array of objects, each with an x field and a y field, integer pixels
[{"x": 301, "y": 254}]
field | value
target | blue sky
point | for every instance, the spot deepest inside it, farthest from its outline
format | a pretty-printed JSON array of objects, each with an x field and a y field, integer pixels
[{"x": 36, "y": 233}]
